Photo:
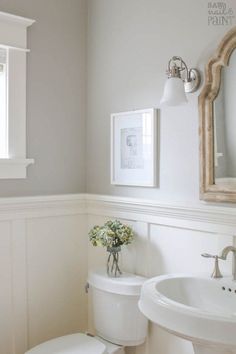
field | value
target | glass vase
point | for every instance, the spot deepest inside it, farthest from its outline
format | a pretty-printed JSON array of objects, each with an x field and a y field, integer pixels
[{"x": 113, "y": 269}]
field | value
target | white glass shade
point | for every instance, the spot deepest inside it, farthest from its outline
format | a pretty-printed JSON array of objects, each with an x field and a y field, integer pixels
[{"x": 174, "y": 94}]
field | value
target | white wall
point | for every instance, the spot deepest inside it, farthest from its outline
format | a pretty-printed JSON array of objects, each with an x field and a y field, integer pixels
[
  {"x": 43, "y": 270},
  {"x": 44, "y": 260},
  {"x": 129, "y": 45},
  {"x": 168, "y": 239}
]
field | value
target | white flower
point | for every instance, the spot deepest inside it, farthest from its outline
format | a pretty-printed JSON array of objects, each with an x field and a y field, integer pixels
[{"x": 112, "y": 234}]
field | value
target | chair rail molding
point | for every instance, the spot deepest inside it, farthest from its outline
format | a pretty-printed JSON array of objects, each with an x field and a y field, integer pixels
[
  {"x": 201, "y": 217},
  {"x": 42, "y": 206}
]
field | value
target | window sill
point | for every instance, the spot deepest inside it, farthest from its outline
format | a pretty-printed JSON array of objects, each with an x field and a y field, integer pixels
[{"x": 14, "y": 168}]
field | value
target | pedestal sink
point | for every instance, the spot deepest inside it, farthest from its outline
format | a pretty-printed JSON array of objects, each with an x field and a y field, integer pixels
[{"x": 197, "y": 308}]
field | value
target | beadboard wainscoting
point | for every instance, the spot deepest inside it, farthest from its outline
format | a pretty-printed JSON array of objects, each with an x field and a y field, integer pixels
[
  {"x": 44, "y": 260},
  {"x": 169, "y": 239},
  {"x": 43, "y": 269}
]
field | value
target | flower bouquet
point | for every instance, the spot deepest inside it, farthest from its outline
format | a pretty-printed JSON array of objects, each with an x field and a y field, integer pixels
[{"x": 112, "y": 235}]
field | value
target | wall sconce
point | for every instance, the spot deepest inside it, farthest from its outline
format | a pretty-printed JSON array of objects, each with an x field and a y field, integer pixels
[{"x": 181, "y": 80}]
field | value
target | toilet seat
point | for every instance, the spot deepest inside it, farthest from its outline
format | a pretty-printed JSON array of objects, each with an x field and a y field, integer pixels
[{"x": 78, "y": 343}]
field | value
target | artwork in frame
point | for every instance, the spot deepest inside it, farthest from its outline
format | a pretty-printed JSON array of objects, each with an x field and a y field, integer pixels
[{"x": 134, "y": 148}]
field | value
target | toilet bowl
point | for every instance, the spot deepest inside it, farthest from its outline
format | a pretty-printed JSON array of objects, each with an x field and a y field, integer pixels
[{"x": 117, "y": 319}]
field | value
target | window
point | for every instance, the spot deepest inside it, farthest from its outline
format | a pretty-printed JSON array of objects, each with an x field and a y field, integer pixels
[{"x": 13, "y": 52}]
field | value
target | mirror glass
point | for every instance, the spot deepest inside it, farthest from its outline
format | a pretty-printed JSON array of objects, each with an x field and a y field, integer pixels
[
  {"x": 3, "y": 104},
  {"x": 224, "y": 120}
]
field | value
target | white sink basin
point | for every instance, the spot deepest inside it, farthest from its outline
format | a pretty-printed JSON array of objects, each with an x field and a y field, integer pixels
[{"x": 197, "y": 308}]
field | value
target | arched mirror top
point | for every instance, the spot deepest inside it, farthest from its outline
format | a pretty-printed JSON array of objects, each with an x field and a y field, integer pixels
[{"x": 219, "y": 60}]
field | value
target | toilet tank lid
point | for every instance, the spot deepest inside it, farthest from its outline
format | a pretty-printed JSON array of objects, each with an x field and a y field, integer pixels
[
  {"x": 77, "y": 343},
  {"x": 125, "y": 284}
]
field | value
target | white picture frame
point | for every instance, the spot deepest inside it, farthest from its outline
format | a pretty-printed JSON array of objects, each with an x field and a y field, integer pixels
[{"x": 134, "y": 148}]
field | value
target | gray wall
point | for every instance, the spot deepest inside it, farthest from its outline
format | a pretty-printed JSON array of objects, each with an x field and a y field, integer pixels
[
  {"x": 55, "y": 97},
  {"x": 129, "y": 45}
]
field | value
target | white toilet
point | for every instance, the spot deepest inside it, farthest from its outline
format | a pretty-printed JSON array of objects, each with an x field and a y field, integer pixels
[{"x": 117, "y": 319}]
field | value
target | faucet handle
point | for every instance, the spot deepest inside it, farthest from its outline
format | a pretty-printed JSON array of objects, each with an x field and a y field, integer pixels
[
  {"x": 207, "y": 255},
  {"x": 216, "y": 272}
]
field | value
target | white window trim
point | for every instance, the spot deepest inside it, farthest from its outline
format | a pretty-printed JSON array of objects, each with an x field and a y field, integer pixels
[
  {"x": 14, "y": 168},
  {"x": 13, "y": 36}
]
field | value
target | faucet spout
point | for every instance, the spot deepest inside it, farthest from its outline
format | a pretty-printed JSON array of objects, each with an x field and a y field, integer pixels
[{"x": 224, "y": 255}]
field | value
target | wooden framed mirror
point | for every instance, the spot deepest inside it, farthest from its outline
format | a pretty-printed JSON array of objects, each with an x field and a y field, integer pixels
[{"x": 217, "y": 116}]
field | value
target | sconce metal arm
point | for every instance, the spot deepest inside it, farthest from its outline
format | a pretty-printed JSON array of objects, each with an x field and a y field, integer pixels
[
  {"x": 191, "y": 77},
  {"x": 175, "y": 70}
]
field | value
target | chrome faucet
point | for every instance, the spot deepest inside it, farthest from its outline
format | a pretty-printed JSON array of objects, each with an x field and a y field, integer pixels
[{"x": 224, "y": 255}]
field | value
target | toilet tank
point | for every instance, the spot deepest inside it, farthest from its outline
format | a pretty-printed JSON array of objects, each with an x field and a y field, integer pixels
[{"x": 115, "y": 308}]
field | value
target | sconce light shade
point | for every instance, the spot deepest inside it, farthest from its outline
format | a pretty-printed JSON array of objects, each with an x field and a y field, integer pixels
[
  {"x": 174, "y": 93},
  {"x": 181, "y": 79}
]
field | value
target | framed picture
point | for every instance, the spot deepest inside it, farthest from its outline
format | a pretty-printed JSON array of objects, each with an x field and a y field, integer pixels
[{"x": 133, "y": 148}]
